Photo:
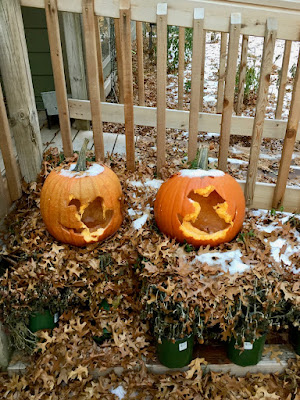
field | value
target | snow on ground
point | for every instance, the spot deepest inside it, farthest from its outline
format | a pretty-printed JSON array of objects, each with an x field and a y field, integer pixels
[{"x": 255, "y": 50}]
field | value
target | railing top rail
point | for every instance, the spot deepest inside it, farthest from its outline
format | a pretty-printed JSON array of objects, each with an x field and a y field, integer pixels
[{"x": 217, "y": 13}]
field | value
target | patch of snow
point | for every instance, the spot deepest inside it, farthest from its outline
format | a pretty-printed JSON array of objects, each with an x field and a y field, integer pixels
[
  {"x": 199, "y": 173},
  {"x": 154, "y": 183},
  {"x": 138, "y": 223},
  {"x": 93, "y": 170},
  {"x": 135, "y": 183},
  {"x": 119, "y": 392},
  {"x": 230, "y": 160},
  {"x": 131, "y": 212},
  {"x": 211, "y": 134},
  {"x": 277, "y": 246},
  {"x": 230, "y": 261},
  {"x": 209, "y": 100}
]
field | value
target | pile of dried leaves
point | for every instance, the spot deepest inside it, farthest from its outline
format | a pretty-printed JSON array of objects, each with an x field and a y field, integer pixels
[{"x": 68, "y": 363}]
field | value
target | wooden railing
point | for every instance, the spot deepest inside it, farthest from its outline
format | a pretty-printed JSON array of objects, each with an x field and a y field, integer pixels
[{"x": 272, "y": 20}]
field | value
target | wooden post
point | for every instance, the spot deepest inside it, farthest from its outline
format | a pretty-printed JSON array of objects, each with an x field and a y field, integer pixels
[
  {"x": 88, "y": 17},
  {"x": 198, "y": 38},
  {"x": 99, "y": 58},
  {"x": 221, "y": 78},
  {"x": 125, "y": 35},
  {"x": 74, "y": 47},
  {"x": 262, "y": 99},
  {"x": 289, "y": 142},
  {"x": 161, "y": 23},
  {"x": 283, "y": 78},
  {"x": 242, "y": 75},
  {"x": 16, "y": 75},
  {"x": 6, "y": 146},
  {"x": 140, "y": 62},
  {"x": 233, "y": 48},
  {"x": 119, "y": 59},
  {"x": 181, "y": 66},
  {"x": 202, "y": 55},
  {"x": 4, "y": 198},
  {"x": 59, "y": 75}
]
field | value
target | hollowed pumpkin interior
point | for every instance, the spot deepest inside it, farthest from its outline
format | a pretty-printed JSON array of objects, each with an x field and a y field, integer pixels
[
  {"x": 94, "y": 216},
  {"x": 210, "y": 218}
]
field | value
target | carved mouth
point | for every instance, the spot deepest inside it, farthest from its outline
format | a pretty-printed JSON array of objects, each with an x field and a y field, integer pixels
[
  {"x": 210, "y": 218},
  {"x": 94, "y": 217}
]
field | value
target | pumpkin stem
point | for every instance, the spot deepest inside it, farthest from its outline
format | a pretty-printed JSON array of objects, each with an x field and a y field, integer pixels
[
  {"x": 81, "y": 162},
  {"x": 202, "y": 158}
]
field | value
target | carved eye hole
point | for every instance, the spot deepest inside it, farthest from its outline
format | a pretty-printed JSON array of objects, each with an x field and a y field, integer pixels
[{"x": 94, "y": 216}]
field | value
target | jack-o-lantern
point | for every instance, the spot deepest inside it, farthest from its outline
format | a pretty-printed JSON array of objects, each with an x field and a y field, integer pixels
[
  {"x": 81, "y": 204},
  {"x": 200, "y": 207}
]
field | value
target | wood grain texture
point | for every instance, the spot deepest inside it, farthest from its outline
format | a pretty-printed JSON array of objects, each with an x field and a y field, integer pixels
[
  {"x": 59, "y": 74},
  {"x": 16, "y": 76},
  {"x": 262, "y": 99},
  {"x": 75, "y": 59},
  {"x": 242, "y": 75},
  {"x": 181, "y": 66},
  {"x": 161, "y": 89},
  {"x": 289, "y": 142},
  {"x": 119, "y": 60},
  {"x": 217, "y": 14},
  {"x": 197, "y": 65},
  {"x": 179, "y": 119},
  {"x": 5, "y": 201},
  {"x": 125, "y": 35},
  {"x": 89, "y": 29},
  {"x": 202, "y": 55},
  {"x": 140, "y": 62},
  {"x": 283, "y": 78},
  {"x": 233, "y": 48},
  {"x": 222, "y": 69},
  {"x": 11, "y": 167},
  {"x": 99, "y": 58}
]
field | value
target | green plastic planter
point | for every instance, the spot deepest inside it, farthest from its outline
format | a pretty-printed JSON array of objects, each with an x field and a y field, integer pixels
[
  {"x": 178, "y": 354},
  {"x": 294, "y": 336},
  {"x": 44, "y": 320},
  {"x": 248, "y": 356}
]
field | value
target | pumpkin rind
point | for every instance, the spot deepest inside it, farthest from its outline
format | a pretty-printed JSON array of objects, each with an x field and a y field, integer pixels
[
  {"x": 177, "y": 208},
  {"x": 81, "y": 208}
]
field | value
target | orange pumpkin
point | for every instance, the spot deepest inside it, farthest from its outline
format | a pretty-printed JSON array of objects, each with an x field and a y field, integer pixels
[
  {"x": 81, "y": 207},
  {"x": 200, "y": 207}
]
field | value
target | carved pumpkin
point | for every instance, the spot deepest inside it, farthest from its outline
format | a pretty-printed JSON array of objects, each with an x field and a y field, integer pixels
[
  {"x": 200, "y": 207},
  {"x": 82, "y": 206}
]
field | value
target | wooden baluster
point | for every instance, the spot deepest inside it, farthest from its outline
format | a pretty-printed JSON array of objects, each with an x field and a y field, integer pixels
[
  {"x": 119, "y": 60},
  {"x": 233, "y": 48},
  {"x": 222, "y": 69},
  {"x": 198, "y": 39},
  {"x": 289, "y": 142},
  {"x": 4, "y": 198},
  {"x": 6, "y": 146},
  {"x": 283, "y": 78},
  {"x": 181, "y": 66},
  {"x": 75, "y": 58},
  {"x": 59, "y": 75},
  {"x": 99, "y": 58},
  {"x": 202, "y": 55},
  {"x": 161, "y": 21},
  {"x": 242, "y": 75},
  {"x": 88, "y": 17},
  {"x": 262, "y": 100},
  {"x": 140, "y": 62},
  {"x": 125, "y": 35}
]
